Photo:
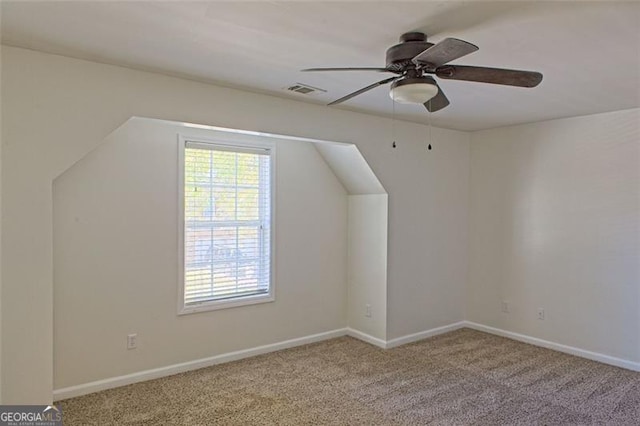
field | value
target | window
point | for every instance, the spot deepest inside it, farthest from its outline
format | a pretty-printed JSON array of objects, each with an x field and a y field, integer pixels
[{"x": 226, "y": 212}]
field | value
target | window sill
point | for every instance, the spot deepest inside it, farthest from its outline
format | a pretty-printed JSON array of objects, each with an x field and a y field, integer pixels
[{"x": 226, "y": 304}]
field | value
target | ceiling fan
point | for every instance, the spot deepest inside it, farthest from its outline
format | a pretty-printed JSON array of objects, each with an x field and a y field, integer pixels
[{"x": 414, "y": 58}]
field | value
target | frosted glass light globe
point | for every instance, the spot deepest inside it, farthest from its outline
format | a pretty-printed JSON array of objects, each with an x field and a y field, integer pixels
[{"x": 414, "y": 93}]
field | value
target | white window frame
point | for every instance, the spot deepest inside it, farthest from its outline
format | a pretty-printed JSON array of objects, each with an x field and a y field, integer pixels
[{"x": 212, "y": 305}]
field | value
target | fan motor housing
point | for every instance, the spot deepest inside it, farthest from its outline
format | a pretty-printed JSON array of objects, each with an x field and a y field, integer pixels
[{"x": 411, "y": 44}]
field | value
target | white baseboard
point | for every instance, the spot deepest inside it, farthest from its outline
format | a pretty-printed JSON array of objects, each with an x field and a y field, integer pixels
[
  {"x": 114, "y": 382},
  {"x": 606, "y": 359},
  {"x": 156, "y": 373},
  {"x": 366, "y": 338},
  {"x": 403, "y": 340}
]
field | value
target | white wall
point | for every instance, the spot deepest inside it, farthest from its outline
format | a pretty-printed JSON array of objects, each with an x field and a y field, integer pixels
[
  {"x": 55, "y": 110},
  {"x": 1, "y": 143},
  {"x": 428, "y": 220},
  {"x": 555, "y": 224},
  {"x": 367, "y": 240},
  {"x": 351, "y": 168},
  {"x": 367, "y": 264},
  {"x": 115, "y": 265}
]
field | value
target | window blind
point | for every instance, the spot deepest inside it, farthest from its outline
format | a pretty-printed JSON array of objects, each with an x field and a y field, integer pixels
[{"x": 227, "y": 222}]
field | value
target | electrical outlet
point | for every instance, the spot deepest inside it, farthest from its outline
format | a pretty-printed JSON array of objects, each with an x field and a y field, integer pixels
[
  {"x": 132, "y": 341},
  {"x": 367, "y": 311},
  {"x": 505, "y": 306},
  {"x": 540, "y": 314}
]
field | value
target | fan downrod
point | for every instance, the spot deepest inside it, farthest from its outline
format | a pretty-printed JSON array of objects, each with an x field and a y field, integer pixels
[{"x": 413, "y": 36}]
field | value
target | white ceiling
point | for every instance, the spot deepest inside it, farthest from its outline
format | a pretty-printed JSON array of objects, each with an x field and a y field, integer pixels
[{"x": 589, "y": 52}]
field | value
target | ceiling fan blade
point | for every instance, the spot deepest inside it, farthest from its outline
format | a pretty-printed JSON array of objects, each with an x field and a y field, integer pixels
[
  {"x": 364, "y": 89},
  {"x": 438, "y": 102},
  {"x": 445, "y": 51},
  {"x": 490, "y": 75},
  {"x": 347, "y": 69}
]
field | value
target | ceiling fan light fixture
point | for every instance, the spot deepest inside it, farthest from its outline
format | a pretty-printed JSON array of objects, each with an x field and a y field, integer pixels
[
  {"x": 416, "y": 90},
  {"x": 414, "y": 57}
]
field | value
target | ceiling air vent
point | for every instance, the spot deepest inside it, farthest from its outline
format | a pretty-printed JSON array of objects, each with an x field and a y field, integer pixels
[{"x": 304, "y": 89}]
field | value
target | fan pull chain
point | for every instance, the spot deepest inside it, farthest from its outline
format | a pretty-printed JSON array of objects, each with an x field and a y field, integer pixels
[
  {"x": 393, "y": 123},
  {"x": 430, "y": 139}
]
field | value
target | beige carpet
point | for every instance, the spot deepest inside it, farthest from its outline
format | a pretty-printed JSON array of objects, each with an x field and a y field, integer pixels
[{"x": 459, "y": 378}]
